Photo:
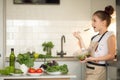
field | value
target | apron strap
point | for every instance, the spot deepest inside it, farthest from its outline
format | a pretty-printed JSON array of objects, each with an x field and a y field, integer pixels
[
  {"x": 102, "y": 36},
  {"x": 100, "y": 40}
]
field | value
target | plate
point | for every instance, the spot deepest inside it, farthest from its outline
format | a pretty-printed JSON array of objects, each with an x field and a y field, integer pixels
[
  {"x": 13, "y": 74},
  {"x": 54, "y": 73},
  {"x": 34, "y": 74}
]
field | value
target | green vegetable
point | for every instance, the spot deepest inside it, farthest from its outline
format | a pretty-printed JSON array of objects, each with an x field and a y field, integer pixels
[
  {"x": 44, "y": 56},
  {"x": 7, "y": 70},
  {"x": 47, "y": 46},
  {"x": 53, "y": 66},
  {"x": 18, "y": 71},
  {"x": 64, "y": 69},
  {"x": 81, "y": 57},
  {"x": 25, "y": 59}
]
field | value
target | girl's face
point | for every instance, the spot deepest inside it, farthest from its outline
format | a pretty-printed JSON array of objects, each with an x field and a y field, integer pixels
[{"x": 97, "y": 23}]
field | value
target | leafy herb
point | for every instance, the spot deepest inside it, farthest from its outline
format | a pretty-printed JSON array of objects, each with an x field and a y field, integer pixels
[
  {"x": 44, "y": 56},
  {"x": 7, "y": 70},
  {"x": 25, "y": 59},
  {"x": 47, "y": 46},
  {"x": 18, "y": 71},
  {"x": 53, "y": 66},
  {"x": 64, "y": 69}
]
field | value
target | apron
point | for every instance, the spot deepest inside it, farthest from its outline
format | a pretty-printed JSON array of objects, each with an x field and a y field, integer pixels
[
  {"x": 93, "y": 47},
  {"x": 95, "y": 72}
]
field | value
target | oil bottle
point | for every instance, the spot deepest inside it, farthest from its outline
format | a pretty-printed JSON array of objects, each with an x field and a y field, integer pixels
[{"x": 12, "y": 59}]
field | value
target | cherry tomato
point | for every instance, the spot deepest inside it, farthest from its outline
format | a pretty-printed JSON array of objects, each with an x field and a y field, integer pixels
[
  {"x": 39, "y": 70},
  {"x": 31, "y": 70}
]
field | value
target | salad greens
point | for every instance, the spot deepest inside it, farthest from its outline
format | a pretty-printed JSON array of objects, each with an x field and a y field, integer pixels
[
  {"x": 18, "y": 71},
  {"x": 63, "y": 69},
  {"x": 53, "y": 66},
  {"x": 25, "y": 59},
  {"x": 7, "y": 70},
  {"x": 10, "y": 69}
]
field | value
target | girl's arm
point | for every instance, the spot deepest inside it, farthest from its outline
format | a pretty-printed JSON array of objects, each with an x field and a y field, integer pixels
[{"x": 80, "y": 40}]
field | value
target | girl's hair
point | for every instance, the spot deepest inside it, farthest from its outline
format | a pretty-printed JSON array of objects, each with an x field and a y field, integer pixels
[{"x": 106, "y": 14}]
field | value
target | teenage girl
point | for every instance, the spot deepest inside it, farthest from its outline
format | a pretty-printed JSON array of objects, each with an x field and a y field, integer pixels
[{"x": 102, "y": 46}]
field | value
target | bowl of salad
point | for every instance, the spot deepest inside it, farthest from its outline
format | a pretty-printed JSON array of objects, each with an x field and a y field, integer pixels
[
  {"x": 53, "y": 68},
  {"x": 81, "y": 55}
]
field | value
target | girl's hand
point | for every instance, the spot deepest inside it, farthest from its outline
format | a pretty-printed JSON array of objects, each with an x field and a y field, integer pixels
[
  {"x": 84, "y": 61},
  {"x": 76, "y": 34},
  {"x": 80, "y": 41},
  {"x": 91, "y": 59}
]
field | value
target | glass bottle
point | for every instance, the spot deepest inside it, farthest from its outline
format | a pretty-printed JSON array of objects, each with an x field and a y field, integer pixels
[{"x": 12, "y": 59}]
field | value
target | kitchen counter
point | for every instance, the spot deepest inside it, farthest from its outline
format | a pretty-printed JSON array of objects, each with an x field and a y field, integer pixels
[
  {"x": 74, "y": 66},
  {"x": 41, "y": 77},
  {"x": 67, "y": 58}
]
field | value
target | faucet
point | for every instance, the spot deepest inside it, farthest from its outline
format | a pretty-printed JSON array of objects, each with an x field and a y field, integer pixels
[{"x": 62, "y": 53}]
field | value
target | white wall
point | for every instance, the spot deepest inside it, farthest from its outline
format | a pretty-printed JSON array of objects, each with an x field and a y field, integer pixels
[
  {"x": 1, "y": 33},
  {"x": 67, "y": 10},
  {"x": 101, "y": 4},
  {"x": 28, "y": 26}
]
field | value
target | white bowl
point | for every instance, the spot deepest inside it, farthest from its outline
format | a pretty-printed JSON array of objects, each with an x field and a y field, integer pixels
[
  {"x": 34, "y": 74},
  {"x": 24, "y": 69},
  {"x": 13, "y": 74},
  {"x": 54, "y": 73}
]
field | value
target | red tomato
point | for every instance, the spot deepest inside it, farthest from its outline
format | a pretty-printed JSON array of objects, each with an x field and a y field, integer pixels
[
  {"x": 39, "y": 70},
  {"x": 31, "y": 70}
]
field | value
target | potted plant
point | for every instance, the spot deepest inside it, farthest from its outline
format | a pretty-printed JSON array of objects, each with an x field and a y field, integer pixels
[{"x": 47, "y": 47}]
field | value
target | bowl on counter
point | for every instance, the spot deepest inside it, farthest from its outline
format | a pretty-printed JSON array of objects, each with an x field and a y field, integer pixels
[{"x": 54, "y": 73}]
